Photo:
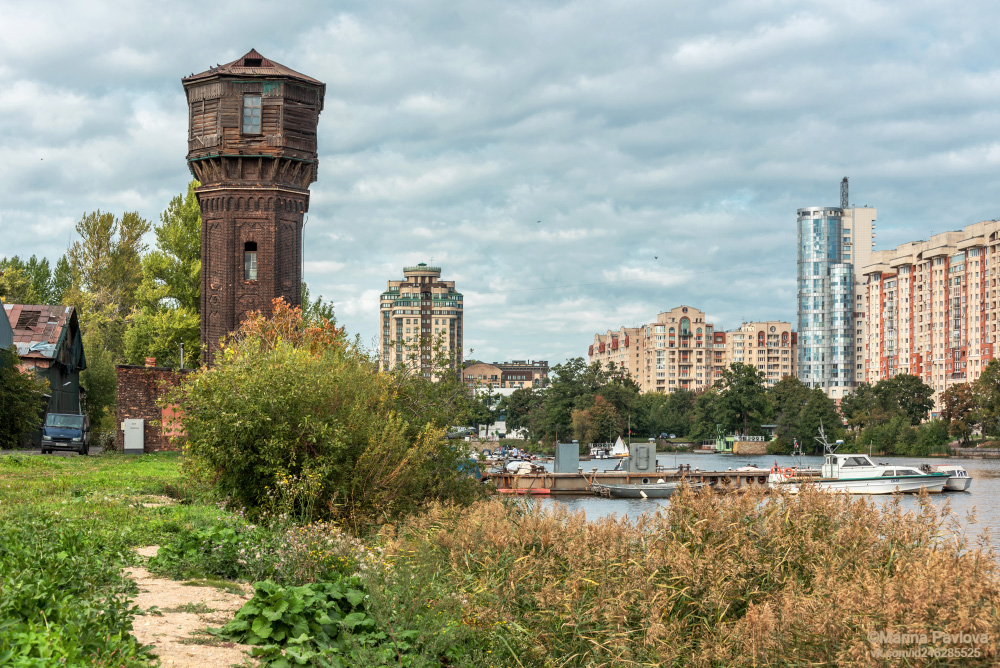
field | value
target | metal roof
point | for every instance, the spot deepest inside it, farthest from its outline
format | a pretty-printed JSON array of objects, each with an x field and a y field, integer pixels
[
  {"x": 37, "y": 328},
  {"x": 258, "y": 66}
]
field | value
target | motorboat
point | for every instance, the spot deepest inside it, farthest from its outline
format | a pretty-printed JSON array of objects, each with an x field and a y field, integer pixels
[
  {"x": 651, "y": 490},
  {"x": 858, "y": 474},
  {"x": 959, "y": 479}
]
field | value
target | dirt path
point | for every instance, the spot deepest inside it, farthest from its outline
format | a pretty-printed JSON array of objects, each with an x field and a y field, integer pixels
[{"x": 176, "y": 625}]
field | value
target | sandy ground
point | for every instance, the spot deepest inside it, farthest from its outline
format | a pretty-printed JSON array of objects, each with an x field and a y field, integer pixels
[{"x": 177, "y": 633}]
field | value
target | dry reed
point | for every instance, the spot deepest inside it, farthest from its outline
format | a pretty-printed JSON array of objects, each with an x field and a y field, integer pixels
[{"x": 738, "y": 580}]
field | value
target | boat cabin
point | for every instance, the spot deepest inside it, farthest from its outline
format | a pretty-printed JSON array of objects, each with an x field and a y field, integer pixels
[{"x": 848, "y": 466}]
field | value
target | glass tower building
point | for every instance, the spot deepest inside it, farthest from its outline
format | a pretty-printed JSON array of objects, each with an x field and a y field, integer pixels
[{"x": 826, "y": 295}]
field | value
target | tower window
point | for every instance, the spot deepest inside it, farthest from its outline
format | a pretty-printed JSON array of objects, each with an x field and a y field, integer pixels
[
  {"x": 251, "y": 114},
  {"x": 250, "y": 261}
]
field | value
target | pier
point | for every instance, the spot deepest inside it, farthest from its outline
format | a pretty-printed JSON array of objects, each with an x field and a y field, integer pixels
[{"x": 580, "y": 482}]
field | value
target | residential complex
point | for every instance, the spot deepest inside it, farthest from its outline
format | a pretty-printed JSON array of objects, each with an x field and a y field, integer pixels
[
  {"x": 933, "y": 307},
  {"x": 421, "y": 318},
  {"x": 680, "y": 351},
  {"x": 833, "y": 243},
  {"x": 507, "y": 375},
  {"x": 770, "y": 346}
]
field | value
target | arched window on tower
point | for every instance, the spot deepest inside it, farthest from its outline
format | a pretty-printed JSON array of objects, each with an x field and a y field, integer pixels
[{"x": 250, "y": 261}]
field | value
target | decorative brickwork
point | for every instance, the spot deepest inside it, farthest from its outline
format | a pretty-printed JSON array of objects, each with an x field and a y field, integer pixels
[
  {"x": 252, "y": 144},
  {"x": 139, "y": 389}
]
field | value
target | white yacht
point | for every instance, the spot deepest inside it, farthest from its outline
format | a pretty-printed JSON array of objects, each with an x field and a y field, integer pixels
[
  {"x": 959, "y": 479},
  {"x": 858, "y": 474}
]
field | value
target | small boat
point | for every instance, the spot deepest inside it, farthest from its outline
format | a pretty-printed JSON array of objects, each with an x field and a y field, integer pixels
[
  {"x": 649, "y": 490},
  {"x": 620, "y": 449},
  {"x": 959, "y": 479}
]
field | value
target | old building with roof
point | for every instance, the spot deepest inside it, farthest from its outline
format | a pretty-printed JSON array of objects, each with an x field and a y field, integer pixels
[
  {"x": 252, "y": 145},
  {"x": 48, "y": 340}
]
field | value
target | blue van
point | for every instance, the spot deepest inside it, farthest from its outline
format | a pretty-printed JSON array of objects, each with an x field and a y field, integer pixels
[{"x": 66, "y": 431}]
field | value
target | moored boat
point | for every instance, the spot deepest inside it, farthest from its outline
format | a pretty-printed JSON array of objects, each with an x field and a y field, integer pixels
[
  {"x": 959, "y": 479},
  {"x": 858, "y": 474},
  {"x": 650, "y": 490}
]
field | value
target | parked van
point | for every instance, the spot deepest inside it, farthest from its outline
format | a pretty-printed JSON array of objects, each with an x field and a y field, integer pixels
[{"x": 66, "y": 431}]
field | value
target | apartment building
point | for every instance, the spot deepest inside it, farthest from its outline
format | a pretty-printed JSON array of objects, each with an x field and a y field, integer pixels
[
  {"x": 677, "y": 351},
  {"x": 420, "y": 317},
  {"x": 933, "y": 307},
  {"x": 513, "y": 375},
  {"x": 770, "y": 346},
  {"x": 680, "y": 351}
]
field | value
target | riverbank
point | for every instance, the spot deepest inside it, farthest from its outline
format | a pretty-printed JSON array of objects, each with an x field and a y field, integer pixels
[{"x": 704, "y": 580}]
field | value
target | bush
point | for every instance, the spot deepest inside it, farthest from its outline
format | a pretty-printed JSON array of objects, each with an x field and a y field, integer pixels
[
  {"x": 292, "y": 420},
  {"x": 63, "y": 599},
  {"x": 21, "y": 400}
]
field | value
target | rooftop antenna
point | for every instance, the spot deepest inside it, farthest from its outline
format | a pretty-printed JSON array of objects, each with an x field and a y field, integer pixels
[{"x": 843, "y": 194}]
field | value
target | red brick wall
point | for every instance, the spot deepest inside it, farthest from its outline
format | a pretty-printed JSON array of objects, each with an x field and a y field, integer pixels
[{"x": 139, "y": 388}]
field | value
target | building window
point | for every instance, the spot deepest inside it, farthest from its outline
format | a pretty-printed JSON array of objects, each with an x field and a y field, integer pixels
[
  {"x": 250, "y": 261},
  {"x": 251, "y": 114}
]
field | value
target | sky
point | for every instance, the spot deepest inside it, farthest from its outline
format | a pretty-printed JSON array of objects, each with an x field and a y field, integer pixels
[{"x": 572, "y": 166}]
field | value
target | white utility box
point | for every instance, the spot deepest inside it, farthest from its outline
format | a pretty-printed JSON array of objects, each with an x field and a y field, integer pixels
[{"x": 134, "y": 440}]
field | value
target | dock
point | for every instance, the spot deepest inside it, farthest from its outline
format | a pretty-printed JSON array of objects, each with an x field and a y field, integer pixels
[{"x": 579, "y": 483}]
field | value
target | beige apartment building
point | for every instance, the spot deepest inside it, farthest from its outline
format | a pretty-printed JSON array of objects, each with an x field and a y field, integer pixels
[
  {"x": 770, "y": 346},
  {"x": 680, "y": 351},
  {"x": 418, "y": 314},
  {"x": 932, "y": 307}
]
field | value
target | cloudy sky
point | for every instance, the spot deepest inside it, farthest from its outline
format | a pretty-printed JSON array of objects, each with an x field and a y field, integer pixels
[{"x": 573, "y": 166}]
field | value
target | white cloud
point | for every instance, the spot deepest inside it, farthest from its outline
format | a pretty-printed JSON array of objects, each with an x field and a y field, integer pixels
[{"x": 679, "y": 132}]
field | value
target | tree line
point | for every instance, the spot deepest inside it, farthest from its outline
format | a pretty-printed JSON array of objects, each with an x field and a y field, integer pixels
[
  {"x": 596, "y": 404},
  {"x": 132, "y": 301}
]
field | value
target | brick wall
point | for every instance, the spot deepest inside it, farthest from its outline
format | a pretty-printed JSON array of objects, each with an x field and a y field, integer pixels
[{"x": 139, "y": 389}]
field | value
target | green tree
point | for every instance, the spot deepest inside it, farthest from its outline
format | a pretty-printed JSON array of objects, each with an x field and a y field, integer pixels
[
  {"x": 819, "y": 409},
  {"x": 708, "y": 416},
  {"x": 743, "y": 395},
  {"x": 15, "y": 285},
  {"x": 315, "y": 310},
  {"x": 21, "y": 400},
  {"x": 169, "y": 296},
  {"x": 911, "y": 396},
  {"x": 788, "y": 398},
  {"x": 987, "y": 394},
  {"x": 958, "y": 407},
  {"x": 316, "y": 429},
  {"x": 105, "y": 263},
  {"x": 62, "y": 280},
  {"x": 519, "y": 406}
]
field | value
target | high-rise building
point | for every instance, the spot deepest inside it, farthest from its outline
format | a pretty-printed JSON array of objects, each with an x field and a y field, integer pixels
[
  {"x": 933, "y": 307},
  {"x": 420, "y": 318},
  {"x": 770, "y": 346},
  {"x": 831, "y": 315},
  {"x": 252, "y": 145},
  {"x": 677, "y": 351},
  {"x": 660, "y": 357}
]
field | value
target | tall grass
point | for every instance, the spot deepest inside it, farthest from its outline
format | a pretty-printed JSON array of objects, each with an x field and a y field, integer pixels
[{"x": 710, "y": 581}]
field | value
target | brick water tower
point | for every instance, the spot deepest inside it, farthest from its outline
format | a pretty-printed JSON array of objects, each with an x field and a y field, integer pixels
[{"x": 252, "y": 145}]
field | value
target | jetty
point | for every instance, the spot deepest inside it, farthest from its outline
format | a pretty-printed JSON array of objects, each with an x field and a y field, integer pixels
[{"x": 546, "y": 483}]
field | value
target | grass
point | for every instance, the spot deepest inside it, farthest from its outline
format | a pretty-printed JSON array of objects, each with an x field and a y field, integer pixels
[
  {"x": 706, "y": 581},
  {"x": 106, "y": 491}
]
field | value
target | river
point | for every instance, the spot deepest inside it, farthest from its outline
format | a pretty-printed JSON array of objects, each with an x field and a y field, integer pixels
[{"x": 983, "y": 495}]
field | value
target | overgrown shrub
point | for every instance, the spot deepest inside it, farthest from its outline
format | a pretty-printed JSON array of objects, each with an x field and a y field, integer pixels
[
  {"x": 234, "y": 549},
  {"x": 293, "y": 414},
  {"x": 738, "y": 580},
  {"x": 63, "y": 598}
]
